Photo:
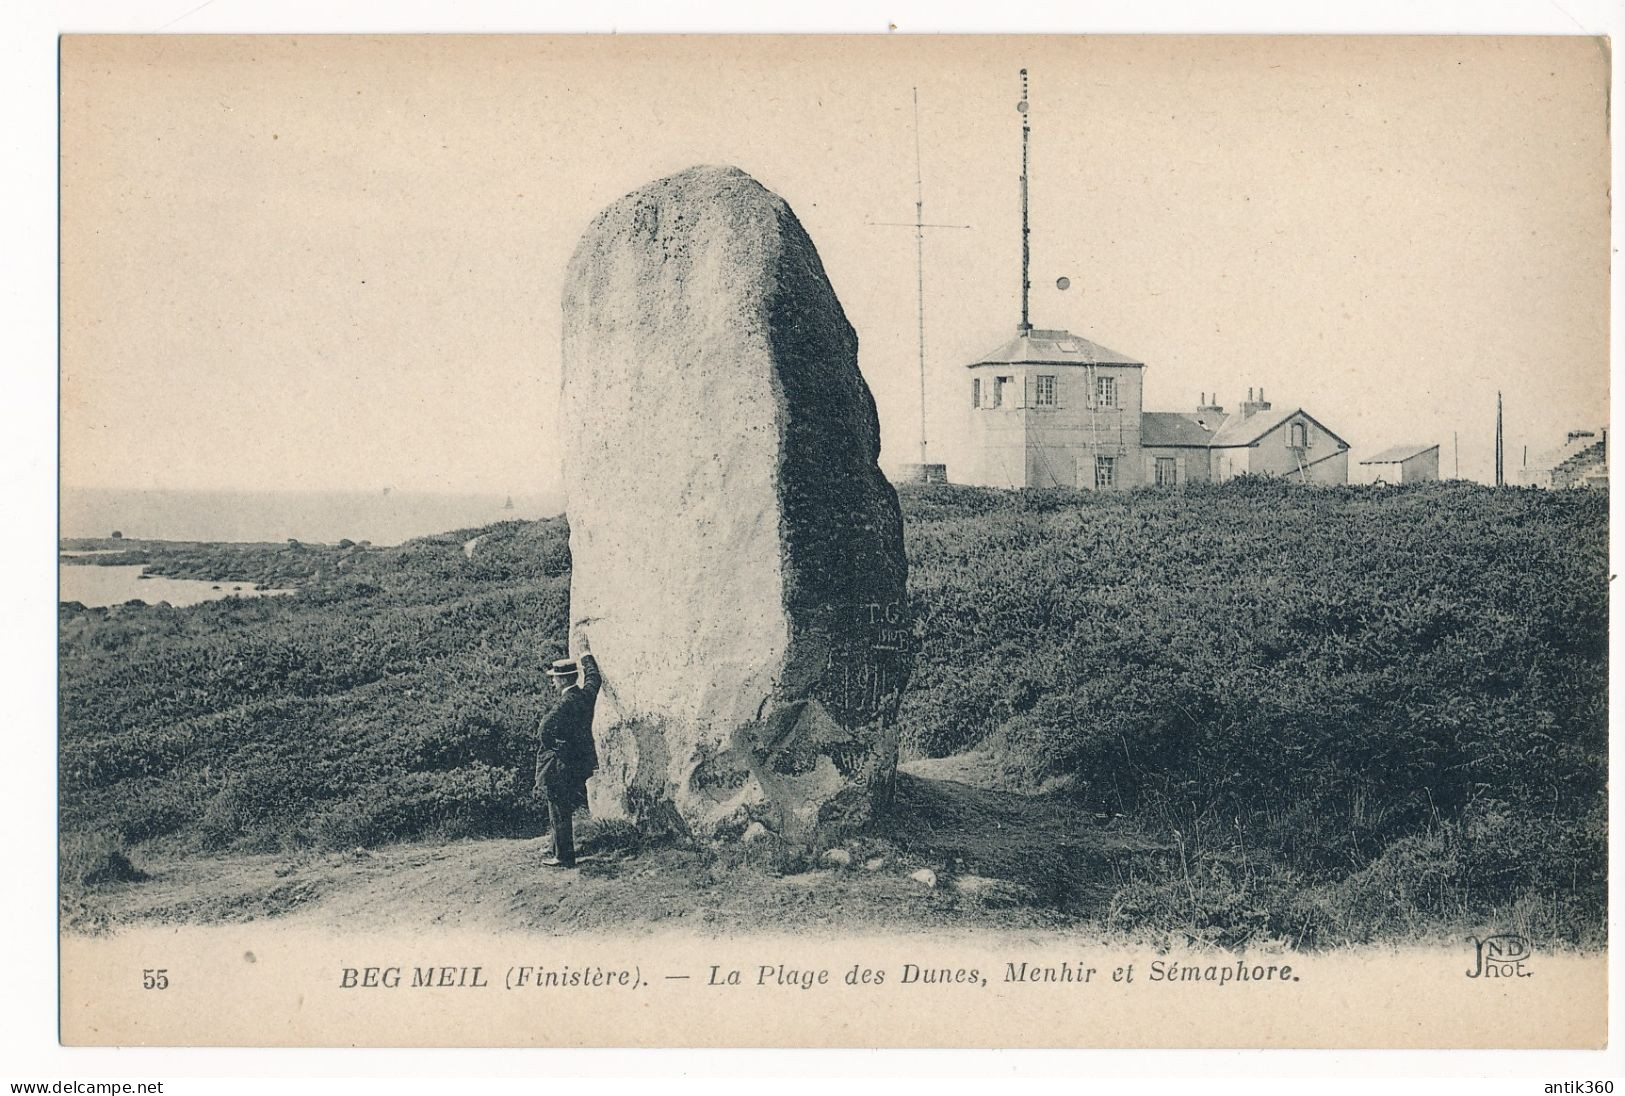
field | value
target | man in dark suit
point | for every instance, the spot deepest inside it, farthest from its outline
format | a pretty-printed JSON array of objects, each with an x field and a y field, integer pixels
[{"x": 566, "y": 757}]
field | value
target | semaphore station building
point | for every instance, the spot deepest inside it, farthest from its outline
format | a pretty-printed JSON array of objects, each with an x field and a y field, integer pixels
[{"x": 1053, "y": 409}]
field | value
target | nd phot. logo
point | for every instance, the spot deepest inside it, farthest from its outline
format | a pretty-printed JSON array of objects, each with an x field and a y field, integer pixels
[{"x": 1500, "y": 956}]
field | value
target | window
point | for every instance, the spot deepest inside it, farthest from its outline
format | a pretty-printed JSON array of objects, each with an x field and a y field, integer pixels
[
  {"x": 1045, "y": 396},
  {"x": 976, "y": 392},
  {"x": 1106, "y": 391},
  {"x": 1105, "y": 471},
  {"x": 999, "y": 385},
  {"x": 1167, "y": 472},
  {"x": 1299, "y": 438}
]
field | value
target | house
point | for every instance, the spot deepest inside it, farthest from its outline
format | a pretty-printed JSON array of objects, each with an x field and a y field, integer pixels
[
  {"x": 1581, "y": 461},
  {"x": 1054, "y": 409},
  {"x": 1404, "y": 464}
]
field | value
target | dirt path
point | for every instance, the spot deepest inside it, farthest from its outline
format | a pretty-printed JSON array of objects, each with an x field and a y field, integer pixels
[{"x": 988, "y": 856}]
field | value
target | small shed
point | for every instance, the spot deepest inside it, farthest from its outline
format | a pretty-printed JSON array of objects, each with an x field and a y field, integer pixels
[{"x": 1405, "y": 464}]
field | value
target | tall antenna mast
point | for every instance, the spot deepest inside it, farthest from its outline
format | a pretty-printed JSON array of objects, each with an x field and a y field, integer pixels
[
  {"x": 919, "y": 262},
  {"x": 1026, "y": 255},
  {"x": 919, "y": 225}
]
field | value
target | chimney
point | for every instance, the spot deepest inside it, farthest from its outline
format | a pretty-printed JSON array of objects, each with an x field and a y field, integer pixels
[
  {"x": 1209, "y": 405},
  {"x": 1254, "y": 406}
]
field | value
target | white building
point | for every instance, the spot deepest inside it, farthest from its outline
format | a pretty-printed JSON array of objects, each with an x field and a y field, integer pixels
[
  {"x": 1404, "y": 464},
  {"x": 1053, "y": 409}
]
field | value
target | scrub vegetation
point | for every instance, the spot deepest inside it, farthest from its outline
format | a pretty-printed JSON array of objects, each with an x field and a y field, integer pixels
[{"x": 1228, "y": 714}]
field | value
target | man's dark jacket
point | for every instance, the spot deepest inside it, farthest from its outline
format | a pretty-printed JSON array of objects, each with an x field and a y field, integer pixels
[{"x": 566, "y": 757}]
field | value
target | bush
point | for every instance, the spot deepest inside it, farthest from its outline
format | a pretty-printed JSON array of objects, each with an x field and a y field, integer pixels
[
  {"x": 1354, "y": 673},
  {"x": 253, "y": 723},
  {"x": 93, "y": 859}
]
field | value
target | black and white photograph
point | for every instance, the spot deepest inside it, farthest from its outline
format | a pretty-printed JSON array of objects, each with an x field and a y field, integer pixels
[{"x": 833, "y": 541}]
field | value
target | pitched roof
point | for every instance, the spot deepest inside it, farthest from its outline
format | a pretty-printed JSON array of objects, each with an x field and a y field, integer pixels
[
  {"x": 1398, "y": 454},
  {"x": 1246, "y": 429},
  {"x": 1177, "y": 428},
  {"x": 1042, "y": 346},
  {"x": 1239, "y": 430}
]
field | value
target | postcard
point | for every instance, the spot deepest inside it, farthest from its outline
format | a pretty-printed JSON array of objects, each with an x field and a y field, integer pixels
[{"x": 847, "y": 541}]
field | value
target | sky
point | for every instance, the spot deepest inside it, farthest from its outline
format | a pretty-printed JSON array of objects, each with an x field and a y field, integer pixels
[{"x": 336, "y": 263}]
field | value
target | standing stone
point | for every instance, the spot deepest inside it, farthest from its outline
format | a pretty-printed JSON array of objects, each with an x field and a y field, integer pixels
[{"x": 737, "y": 554}]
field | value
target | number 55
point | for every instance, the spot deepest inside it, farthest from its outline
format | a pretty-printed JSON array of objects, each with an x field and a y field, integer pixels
[{"x": 155, "y": 979}]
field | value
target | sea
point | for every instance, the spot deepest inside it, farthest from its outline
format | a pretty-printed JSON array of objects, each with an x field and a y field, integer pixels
[
  {"x": 114, "y": 585},
  {"x": 318, "y": 517},
  {"x": 384, "y": 517}
]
